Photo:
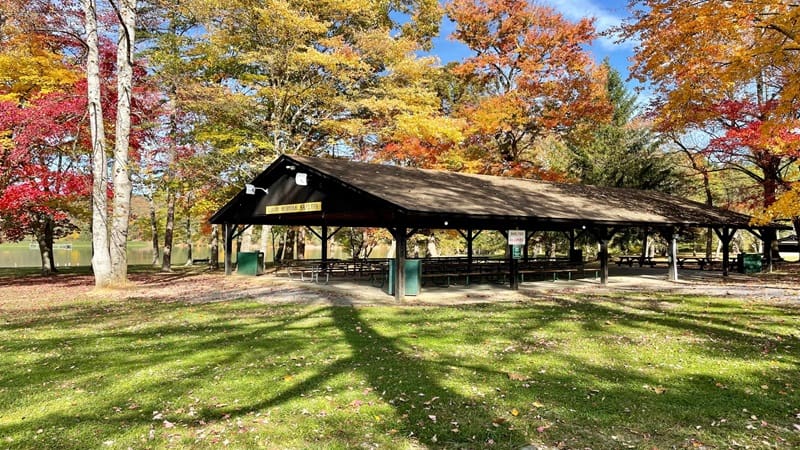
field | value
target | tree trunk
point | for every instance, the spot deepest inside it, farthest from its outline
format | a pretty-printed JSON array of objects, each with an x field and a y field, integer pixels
[
  {"x": 274, "y": 246},
  {"x": 101, "y": 258},
  {"x": 122, "y": 177},
  {"x": 213, "y": 256},
  {"x": 433, "y": 251},
  {"x": 285, "y": 245},
  {"x": 289, "y": 245},
  {"x": 247, "y": 240},
  {"x": 45, "y": 250},
  {"x": 266, "y": 230},
  {"x": 189, "y": 256},
  {"x": 154, "y": 229},
  {"x": 300, "y": 243},
  {"x": 166, "y": 261},
  {"x": 49, "y": 237}
]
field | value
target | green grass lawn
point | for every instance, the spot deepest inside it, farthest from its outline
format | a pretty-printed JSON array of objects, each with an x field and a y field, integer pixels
[{"x": 622, "y": 372}]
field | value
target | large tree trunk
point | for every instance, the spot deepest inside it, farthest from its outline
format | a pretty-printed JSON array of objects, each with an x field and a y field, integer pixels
[
  {"x": 154, "y": 229},
  {"x": 44, "y": 237},
  {"x": 213, "y": 257},
  {"x": 101, "y": 258},
  {"x": 49, "y": 237},
  {"x": 122, "y": 176},
  {"x": 166, "y": 260}
]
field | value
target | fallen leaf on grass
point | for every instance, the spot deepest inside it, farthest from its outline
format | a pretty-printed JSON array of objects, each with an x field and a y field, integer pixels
[
  {"x": 657, "y": 389},
  {"x": 517, "y": 377},
  {"x": 515, "y": 412},
  {"x": 496, "y": 422},
  {"x": 538, "y": 404},
  {"x": 168, "y": 424}
]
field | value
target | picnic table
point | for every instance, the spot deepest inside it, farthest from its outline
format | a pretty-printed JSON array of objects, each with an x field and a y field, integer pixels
[
  {"x": 700, "y": 261},
  {"x": 630, "y": 259}
]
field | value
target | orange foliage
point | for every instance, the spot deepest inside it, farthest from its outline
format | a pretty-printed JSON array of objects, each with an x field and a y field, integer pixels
[{"x": 534, "y": 78}]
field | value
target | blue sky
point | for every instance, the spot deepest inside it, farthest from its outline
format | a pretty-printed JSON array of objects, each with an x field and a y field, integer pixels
[{"x": 607, "y": 14}]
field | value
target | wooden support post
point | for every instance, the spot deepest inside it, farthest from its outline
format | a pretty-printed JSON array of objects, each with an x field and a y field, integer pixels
[
  {"x": 603, "y": 240},
  {"x": 603, "y": 236},
  {"x": 571, "y": 236},
  {"x": 672, "y": 237},
  {"x": 470, "y": 238},
  {"x": 401, "y": 239},
  {"x": 228, "y": 232},
  {"x": 469, "y": 235},
  {"x": 726, "y": 251},
  {"x": 324, "y": 239}
]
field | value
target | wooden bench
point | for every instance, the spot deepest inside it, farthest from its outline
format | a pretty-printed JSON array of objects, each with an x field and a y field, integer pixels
[{"x": 555, "y": 271}]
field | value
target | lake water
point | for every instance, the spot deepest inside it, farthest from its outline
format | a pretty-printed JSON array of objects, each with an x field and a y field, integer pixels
[
  {"x": 20, "y": 255},
  {"x": 81, "y": 255}
]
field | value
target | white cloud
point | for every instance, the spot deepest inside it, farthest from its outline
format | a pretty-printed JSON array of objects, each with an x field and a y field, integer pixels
[{"x": 606, "y": 16}]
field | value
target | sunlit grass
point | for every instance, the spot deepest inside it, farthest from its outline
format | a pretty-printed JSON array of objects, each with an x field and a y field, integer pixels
[{"x": 653, "y": 371}]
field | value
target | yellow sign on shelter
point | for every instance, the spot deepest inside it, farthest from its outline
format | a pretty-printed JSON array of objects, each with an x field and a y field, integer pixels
[{"x": 294, "y": 208}]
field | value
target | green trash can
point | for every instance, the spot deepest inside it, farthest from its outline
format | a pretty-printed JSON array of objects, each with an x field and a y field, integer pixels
[
  {"x": 250, "y": 263},
  {"x": 413, "y": 276},
  {"x": 749, "y": 262}
]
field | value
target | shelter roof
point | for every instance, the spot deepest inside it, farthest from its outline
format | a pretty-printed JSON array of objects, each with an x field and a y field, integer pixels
[{"x": 424, "y": 198}]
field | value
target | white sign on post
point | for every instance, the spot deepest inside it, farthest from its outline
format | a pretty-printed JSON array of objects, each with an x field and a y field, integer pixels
[{"x": 516, "y": 237}]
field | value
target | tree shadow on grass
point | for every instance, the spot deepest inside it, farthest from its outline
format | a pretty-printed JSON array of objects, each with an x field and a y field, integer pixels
[
  {"x": 585, "y": 403},
  {"x": 429, "y": 412}
]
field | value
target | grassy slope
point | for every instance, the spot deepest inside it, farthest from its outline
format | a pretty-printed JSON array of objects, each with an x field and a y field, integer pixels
[{"x": 652, "y": 372}]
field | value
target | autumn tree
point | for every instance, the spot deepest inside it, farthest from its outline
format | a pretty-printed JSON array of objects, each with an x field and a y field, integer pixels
[
  {"x": 536, "y": 79},
  {"x": 109, "y": 235},
  {"x": 728, "y": 71},
  {"x": 289, "y": 77},
  {"x": 278, "y": 77},
  {"x": 41, "y": 122}
]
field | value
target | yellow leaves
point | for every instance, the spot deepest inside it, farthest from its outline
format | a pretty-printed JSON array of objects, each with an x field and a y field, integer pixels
[
  {"x": 28, "y": 68},
  {"x": 430, "y": 128},
  {"x": 787, "y": 206},
  {"x": 497, "y": 113},
  {"x": 281, "y": 18}
]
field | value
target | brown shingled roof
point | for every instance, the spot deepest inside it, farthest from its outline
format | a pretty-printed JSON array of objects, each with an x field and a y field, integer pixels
[{"x": 449, "y": 193}]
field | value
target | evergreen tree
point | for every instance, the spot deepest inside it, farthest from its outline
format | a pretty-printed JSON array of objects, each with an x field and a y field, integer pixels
[{"x": 623, "y": 152}]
